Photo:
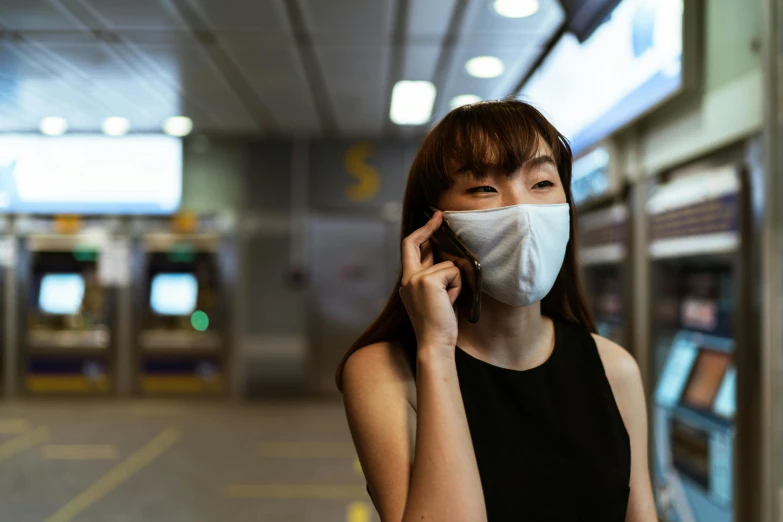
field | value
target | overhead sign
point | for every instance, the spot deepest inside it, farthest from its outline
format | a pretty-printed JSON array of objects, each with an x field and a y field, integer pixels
[
  {"x": 90, "y": 174},
  {"x": 632, "y": 62}
]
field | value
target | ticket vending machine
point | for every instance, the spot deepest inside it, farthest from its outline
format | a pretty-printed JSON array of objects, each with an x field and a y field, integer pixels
[
  {"x": 696, "y": 236},
  {"x": 66, "y": 309},
  {"x": 695, "y": 401},
  {"x": 604, "y": 257},
  {"x": 183, "y": 318}
]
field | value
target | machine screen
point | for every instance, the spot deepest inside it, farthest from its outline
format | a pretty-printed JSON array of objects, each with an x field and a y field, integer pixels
[
  {"x": 707, "y": 376},
  {"x": 725, "y": 402},
  {"x": 61, "y": 294},
  {"x": 174, "y": 294}
]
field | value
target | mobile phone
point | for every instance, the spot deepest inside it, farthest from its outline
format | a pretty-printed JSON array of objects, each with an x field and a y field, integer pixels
[{"x": 446, "y": 246}]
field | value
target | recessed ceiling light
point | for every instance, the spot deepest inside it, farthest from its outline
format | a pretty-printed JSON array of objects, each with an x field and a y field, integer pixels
[
  {"x": 484, "y": 67},
  {"x": 516, "y": 8},
  {"x": 178, "y": 126},
  {"x": 54, "y": 126},
  {"x": 463, "y": 99},
  {"x": 116, "y": 126},
  {"x": 412, "y": 102}
]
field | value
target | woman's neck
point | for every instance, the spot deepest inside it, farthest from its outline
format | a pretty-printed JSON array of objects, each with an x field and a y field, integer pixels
[{"x": 512, "y": 337}]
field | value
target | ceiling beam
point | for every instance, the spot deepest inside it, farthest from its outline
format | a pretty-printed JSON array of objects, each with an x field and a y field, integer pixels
[
  {"x": 399, "y": 39},
  {"x": 446, "y": 59},
  {"x": 125, "y": 52},
  {"x": 236, "y": 81},
  {"x": 316, "y": 81}
]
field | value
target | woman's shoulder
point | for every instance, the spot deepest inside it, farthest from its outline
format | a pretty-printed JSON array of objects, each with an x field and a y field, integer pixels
[
  {"x": 383, "y": 367},
  {"x": 625, "y": 379},
  {"x": 619, "y": 365}
]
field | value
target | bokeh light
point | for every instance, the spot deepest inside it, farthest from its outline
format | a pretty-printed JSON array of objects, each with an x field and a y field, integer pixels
[{"x": 199, "y": 320}]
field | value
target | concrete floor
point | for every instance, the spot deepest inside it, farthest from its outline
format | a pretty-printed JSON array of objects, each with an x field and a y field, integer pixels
[{"x": 178, "y": 461}]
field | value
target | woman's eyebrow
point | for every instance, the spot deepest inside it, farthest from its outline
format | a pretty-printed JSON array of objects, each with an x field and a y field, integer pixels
[{"x": 539, "y": 161}]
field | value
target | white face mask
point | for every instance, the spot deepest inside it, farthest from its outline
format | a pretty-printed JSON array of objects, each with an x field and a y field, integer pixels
[{"x": 521, "y": 248}]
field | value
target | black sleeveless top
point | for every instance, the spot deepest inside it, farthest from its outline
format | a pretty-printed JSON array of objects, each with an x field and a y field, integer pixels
[{"x": 550, "y": 443}]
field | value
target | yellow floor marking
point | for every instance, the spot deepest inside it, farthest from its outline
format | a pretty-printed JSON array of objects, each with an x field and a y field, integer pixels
[
  {"x": 23, "y": 443},
  {"x": 358, "y": 512},
  {"x": 14, "y": 426},
  {"x": 357, "y": 466},
  {"x": 79, "y": 452},
  {"x": 119, "y": 474},
  {"x": 296, "y": 491},
  {"x": 306, "y": 450},
  {"x": 157, "y": 409}
]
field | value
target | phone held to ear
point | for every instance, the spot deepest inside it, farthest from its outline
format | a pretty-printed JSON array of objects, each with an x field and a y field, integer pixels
[{"x": 446, "y": 246}]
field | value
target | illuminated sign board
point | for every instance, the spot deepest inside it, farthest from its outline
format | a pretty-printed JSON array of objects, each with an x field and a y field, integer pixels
[
  {"x": 90, "y": 174},
  {"x": 632, "y": 62}
]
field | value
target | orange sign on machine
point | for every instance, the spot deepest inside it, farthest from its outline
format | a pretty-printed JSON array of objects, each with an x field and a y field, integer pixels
[
  {"x": 184, "y": 222},
  {"x": 67, "y": 224}
]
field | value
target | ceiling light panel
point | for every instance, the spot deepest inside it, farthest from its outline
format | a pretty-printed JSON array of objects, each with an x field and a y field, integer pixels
[
  {"x": 516, "y": 8},
  {"x": 412, "y": 102}
]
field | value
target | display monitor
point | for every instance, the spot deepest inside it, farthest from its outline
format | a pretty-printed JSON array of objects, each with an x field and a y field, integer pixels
[
  {"x": 174, "y": 294},
  {"x": 61, "y": 294},
  {"x": 706, "y": 378}
]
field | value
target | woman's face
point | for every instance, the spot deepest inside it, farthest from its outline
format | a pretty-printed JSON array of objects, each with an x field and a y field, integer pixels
[{"x": 537, "y": 182}]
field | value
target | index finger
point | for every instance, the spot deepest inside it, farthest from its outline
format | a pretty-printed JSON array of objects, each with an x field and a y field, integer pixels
[{"x": 411, "y": 245}]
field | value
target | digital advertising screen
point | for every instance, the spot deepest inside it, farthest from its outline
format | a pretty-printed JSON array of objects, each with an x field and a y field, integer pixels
[{"x": 173, "y": 294}]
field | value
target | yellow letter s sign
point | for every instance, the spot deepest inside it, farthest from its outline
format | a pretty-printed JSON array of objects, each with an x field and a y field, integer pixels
[{"x": 368, "y": 180}]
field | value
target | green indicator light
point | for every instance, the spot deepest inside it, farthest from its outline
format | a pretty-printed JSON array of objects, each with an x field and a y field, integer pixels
[
  {"x": 84, "y": 253},
  {"x": 182, "y": 253},
  {"x": 199, "y": 320}
]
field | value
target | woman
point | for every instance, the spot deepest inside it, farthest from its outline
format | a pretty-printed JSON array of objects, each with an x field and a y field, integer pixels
[{"x": 526, "y": 415}]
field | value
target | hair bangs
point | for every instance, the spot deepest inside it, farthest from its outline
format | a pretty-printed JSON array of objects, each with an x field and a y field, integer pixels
[{"x": 497, "y": 139}]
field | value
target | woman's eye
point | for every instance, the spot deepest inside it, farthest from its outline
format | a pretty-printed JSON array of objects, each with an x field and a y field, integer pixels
[
  {"x": 543, "y": 184},
  {"x": 481, "y": 189}
]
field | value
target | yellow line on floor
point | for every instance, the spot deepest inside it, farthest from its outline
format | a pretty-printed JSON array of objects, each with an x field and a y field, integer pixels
[
  {"x": 157, "y": 409},
  {"x": 23, "y": 443},
  {"x": 296, "y": 491},
  {"x": 79, "y": 452},
  {"x": 358, "y": 512},
  {"x": 306, "y": 450},
  {"x": 119, "y": 474},
  {"x": 14, "y": 426},
  {"x": 357, "y": 466}
]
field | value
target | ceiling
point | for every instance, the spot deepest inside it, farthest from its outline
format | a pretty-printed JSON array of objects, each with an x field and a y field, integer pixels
[{"x": 270, "y": 67}]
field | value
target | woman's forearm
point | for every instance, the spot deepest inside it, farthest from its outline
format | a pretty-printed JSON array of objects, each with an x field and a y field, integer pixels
[{"x": 445, "y": 483}]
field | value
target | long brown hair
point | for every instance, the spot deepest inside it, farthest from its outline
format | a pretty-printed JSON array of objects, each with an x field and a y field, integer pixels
[{"x": 501, "y": 134}]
